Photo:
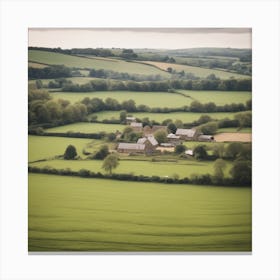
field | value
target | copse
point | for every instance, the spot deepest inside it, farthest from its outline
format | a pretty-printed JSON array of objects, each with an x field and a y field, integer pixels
[{"x": 70, "y": 152}]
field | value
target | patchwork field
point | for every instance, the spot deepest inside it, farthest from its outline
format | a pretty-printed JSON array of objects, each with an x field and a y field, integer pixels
[
  {"x": 75, "y": 214},
  {"x": 44, "y": 147},
  {"x": 197, "y": 71},
  {"x": 83, "y": 62},
  {"x": 148, "y": 168},
  {"x": 185, "y": 117},
  {"x": 233, "y": 137},
  {"x": 88, "y": 128},
  {"x": 161, "y": 99}
]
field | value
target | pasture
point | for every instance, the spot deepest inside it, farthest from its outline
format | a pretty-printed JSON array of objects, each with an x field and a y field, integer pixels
[
  {"x": 160, "y": 99},
  {"x": 76, "y": 214},
  {"x": 85, "y": 62},
  {"x": 46, "y": 147},
  {"x": 182, "y": 168},
  {"x": 84, "y": 127},
  {"x": 197, "y": 71},
  {"x": 185, "y": 117}
]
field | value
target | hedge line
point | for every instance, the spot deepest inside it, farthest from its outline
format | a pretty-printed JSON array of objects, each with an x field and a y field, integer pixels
[{"x": 206, "y": 179}]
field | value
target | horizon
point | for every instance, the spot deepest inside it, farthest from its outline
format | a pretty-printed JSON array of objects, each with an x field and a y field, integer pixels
[{"x": 141, "y": 38}]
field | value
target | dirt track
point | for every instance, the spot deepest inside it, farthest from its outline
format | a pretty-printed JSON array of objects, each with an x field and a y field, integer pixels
[{"x": 233, "y": 137}]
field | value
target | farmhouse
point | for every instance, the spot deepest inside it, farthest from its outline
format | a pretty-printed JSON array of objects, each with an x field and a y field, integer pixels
[
  {"x": 173, "y": 139},
  {"x": 187, "y": 134},
  {"x": 206, "y": 138},
  {"x": 137, "y": 127},
  {"x": 150, "y": 142},
  {"x": 131, "y": 148}
]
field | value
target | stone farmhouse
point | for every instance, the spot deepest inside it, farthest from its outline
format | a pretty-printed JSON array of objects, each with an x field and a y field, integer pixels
[{"x": 137, "y": 127}]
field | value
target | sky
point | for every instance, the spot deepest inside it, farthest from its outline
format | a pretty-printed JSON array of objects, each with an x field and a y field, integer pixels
[{"x": 157, "y": 38}]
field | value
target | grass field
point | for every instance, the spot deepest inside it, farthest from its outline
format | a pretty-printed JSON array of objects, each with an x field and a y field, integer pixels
[
  {"x": 75, "y": 214},
  {"x": 197, "y": 71},
  {"x": 83, "y": 62},
  {"x": 148, "y": 168},
  {"x": 44, "y": 147},
  {"x": 183, "y": 116},
  {"x": 161, "y": 99},
  {"x": 87, "y": 128}
]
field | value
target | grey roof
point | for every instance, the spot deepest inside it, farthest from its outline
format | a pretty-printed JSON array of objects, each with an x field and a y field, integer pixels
[
  {"x": 172, "y": 136},
  {"x": 131, "y": 118},
  {"x": 141, "y": 140},
  {"x": 153, "y": 140},
  {"x": 185, "y": 132},
  {"x": 167, "y": 145},
  {"x": 131, "y": 146},
  {"x": 136, "y": 124}
]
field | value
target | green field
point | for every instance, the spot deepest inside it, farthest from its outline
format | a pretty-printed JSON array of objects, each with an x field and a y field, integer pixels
[
  {"x": 197, "y": 71},
  {"x": 162, "y": 99},
  {"x": 94, "y": 63},
  {"x": 75, "y": 214},
  {"x": 234, "y": 129},
  {"x": 148, "y": 168},
  {"x": 185, "y": 117},
  {"x": 84, "y": 127},
  {"x": 44, "y": 147}
]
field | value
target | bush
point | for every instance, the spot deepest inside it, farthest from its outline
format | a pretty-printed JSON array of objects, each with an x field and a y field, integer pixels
[{"x": 70, "y": 152}]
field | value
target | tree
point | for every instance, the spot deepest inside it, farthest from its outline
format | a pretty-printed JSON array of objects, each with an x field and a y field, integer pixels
[
  {"x": 209, "y": 128},
  {"x": 200, "y": 152},
  {"x": 110, "y": 162},
  {"x": 123, "y": 116},
  {"x": 161, "y": 136},
  {"x": 219, "y": 167},
  {"x": 241, "y": 172},
  {"x": 233, "y": 150},
  {"x": 172, "y": 127},
  {"x": 70, "y": 152},
  {"x": 102, "y": 153},
  {"x": 179, "y": 149}
]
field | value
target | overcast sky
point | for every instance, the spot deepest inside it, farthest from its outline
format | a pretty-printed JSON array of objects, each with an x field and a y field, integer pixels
[{"x": 160, "y": 38}]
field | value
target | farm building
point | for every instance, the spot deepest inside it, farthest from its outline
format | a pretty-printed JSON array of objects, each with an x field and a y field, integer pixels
[
  {"x": 129, "y": 120},
  {"x": 189, "y": 152},
  {"x": 131, "y": 148},
  {"x": 187, "y": 134},
  {"x": 137, "y": 127},
  {"x": 150, "y": 142},
  {"x": 206, "y": 138},
  {"x": 174, "y": 139}
]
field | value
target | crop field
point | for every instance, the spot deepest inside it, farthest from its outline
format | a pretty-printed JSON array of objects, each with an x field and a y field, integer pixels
[
  {"x": 233, "y": 137},
  {"x": 76, "y": 214},
  {"x": 148, "y": 168},
  {"x": 185, "y": 117},
  {"x": 46, "y": 147},
  {"x": 84, "y": 127},
  {"x": 83, "y": 62},
  {"x": 160, "y": 99},
  {"x": 197, "y": 71}
]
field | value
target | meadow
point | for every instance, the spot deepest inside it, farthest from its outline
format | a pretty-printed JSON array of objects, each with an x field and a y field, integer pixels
[
  {"x": 161, "y": 99},
  {"x": 197, "y": 71},
  {"x": 53, "y": 58},
  {"x": 75, "y": 214},
  {"x": 84, "y": 127},
  {"x": 46, "y": 147},
  {"x": 185, "y": 117},
  {"x": 181, "y": 168}
]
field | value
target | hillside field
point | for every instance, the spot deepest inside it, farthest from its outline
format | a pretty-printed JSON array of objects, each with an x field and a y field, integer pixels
[
  {"x": 53, "y": 58},
  {"x": 75, "y": 214},
  {"x": 197, "y": 71},
  {"x": 161, "y": 99}
]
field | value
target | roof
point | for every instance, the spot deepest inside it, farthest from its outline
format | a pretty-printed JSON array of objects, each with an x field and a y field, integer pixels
[
  {"x": 157, "y": 127},
  {"x": 130, "y": 118},
  {"x": 185, "y": 132},
  {"x": 205, "y": 137},
  {"x": 136, "y": 124},
  {"x": 167, "y": 145},
  {"x": 142, "y": 140},
  {"x": 189, "y": 152},
  {"x": 153, "y": 140},
  {"x": 131, "y": 146},
  {"x": 172, "y": 136}
]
